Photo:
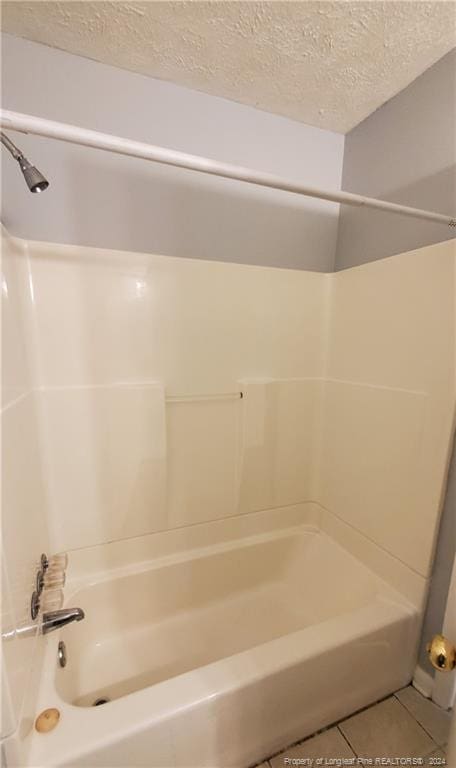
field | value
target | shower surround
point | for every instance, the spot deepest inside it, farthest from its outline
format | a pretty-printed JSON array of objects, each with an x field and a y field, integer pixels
[{"x": 150, "y": 464}]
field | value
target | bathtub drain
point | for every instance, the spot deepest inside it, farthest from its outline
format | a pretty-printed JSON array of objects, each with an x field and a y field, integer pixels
[{"x": 98, "y": 702}]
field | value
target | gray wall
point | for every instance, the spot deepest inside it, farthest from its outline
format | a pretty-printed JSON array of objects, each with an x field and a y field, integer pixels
[
  {"x": 406, "y": 152},
  {"x": 110, "y": 201}
]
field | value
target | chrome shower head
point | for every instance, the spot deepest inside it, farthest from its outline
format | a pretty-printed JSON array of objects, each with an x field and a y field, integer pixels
[{"x": 33, "y": 178}]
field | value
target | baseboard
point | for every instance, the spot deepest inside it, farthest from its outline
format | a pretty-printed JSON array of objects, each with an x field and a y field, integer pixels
[{"x": 423, "y": 682}]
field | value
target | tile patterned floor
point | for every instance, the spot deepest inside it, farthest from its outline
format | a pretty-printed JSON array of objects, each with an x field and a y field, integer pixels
[{"x": 404, "y": 725}]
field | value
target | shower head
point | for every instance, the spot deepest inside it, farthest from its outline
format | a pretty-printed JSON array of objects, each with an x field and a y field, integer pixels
[{"x": 33, "y": 178}]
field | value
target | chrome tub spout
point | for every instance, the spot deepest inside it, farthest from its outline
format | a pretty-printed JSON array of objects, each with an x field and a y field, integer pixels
[{"x": 57, "y": 619}]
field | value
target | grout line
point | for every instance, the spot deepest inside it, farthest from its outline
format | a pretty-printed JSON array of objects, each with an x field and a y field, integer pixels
[
  {"x": 338, "y": 723},
  {"x": 334, "y": 724},
  {"x": 437, "y": 746},
  {"x": 347, "y": 740},
  {"x": 363, "y": 709}
]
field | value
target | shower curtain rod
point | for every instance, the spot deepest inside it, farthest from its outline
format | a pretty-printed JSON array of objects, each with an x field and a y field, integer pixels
[{"x": 73, "y": 134}]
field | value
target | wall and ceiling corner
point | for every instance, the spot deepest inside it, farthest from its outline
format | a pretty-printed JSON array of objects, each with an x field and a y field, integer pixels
[
  {"x": 145, "y": 207},
  {"x": 327, "y": 64},
  {"x": 404, "y": 152}
]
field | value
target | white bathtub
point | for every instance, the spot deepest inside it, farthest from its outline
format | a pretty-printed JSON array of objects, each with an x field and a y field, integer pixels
[{"x": 223, "y": 655}]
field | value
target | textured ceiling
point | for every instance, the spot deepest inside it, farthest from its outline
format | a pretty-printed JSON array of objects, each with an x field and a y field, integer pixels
[{"x": 329, "y": 64}]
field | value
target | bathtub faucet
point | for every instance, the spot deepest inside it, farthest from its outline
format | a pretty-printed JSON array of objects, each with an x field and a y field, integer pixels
[{"x": 57, "y": 619}]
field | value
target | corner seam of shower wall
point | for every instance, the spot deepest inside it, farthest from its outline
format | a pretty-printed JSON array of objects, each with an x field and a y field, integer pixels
[
  {"x": 330, "y": 279},
  {"x": 341, "y": 207},
  {"x": 424, "y": 677}
]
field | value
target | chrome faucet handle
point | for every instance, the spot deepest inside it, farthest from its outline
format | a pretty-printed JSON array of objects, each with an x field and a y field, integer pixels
[
  {"x": 34, "y": 605},
  {"x": 50, "y": 576},
  {"x": 40, "y": 576}
]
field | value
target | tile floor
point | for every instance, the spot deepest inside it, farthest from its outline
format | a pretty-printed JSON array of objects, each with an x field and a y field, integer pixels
[{"x": 405, "y": 725}]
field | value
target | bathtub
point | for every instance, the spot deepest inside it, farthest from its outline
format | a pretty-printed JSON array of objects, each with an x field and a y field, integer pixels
[{"x": 224, "y": 654}]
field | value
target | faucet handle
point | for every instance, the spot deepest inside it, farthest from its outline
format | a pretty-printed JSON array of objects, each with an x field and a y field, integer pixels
[
  {"x": 52, "y": 599},
  {"x": 54, "y": 579},
  {"x": 40, "y": 576},
  {"x": 59, "y": 561},
  {"x": 34, "y": 605},
  {"x": 50, "y": 576}
]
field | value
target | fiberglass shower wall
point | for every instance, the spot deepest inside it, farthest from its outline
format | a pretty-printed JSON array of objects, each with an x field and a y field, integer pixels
[
  {"x": 348, "y": 383},
  {"x": 143, "y": 426},
  {"x": 390, "y": 399},
  {"x": 24, "y": 495}
]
